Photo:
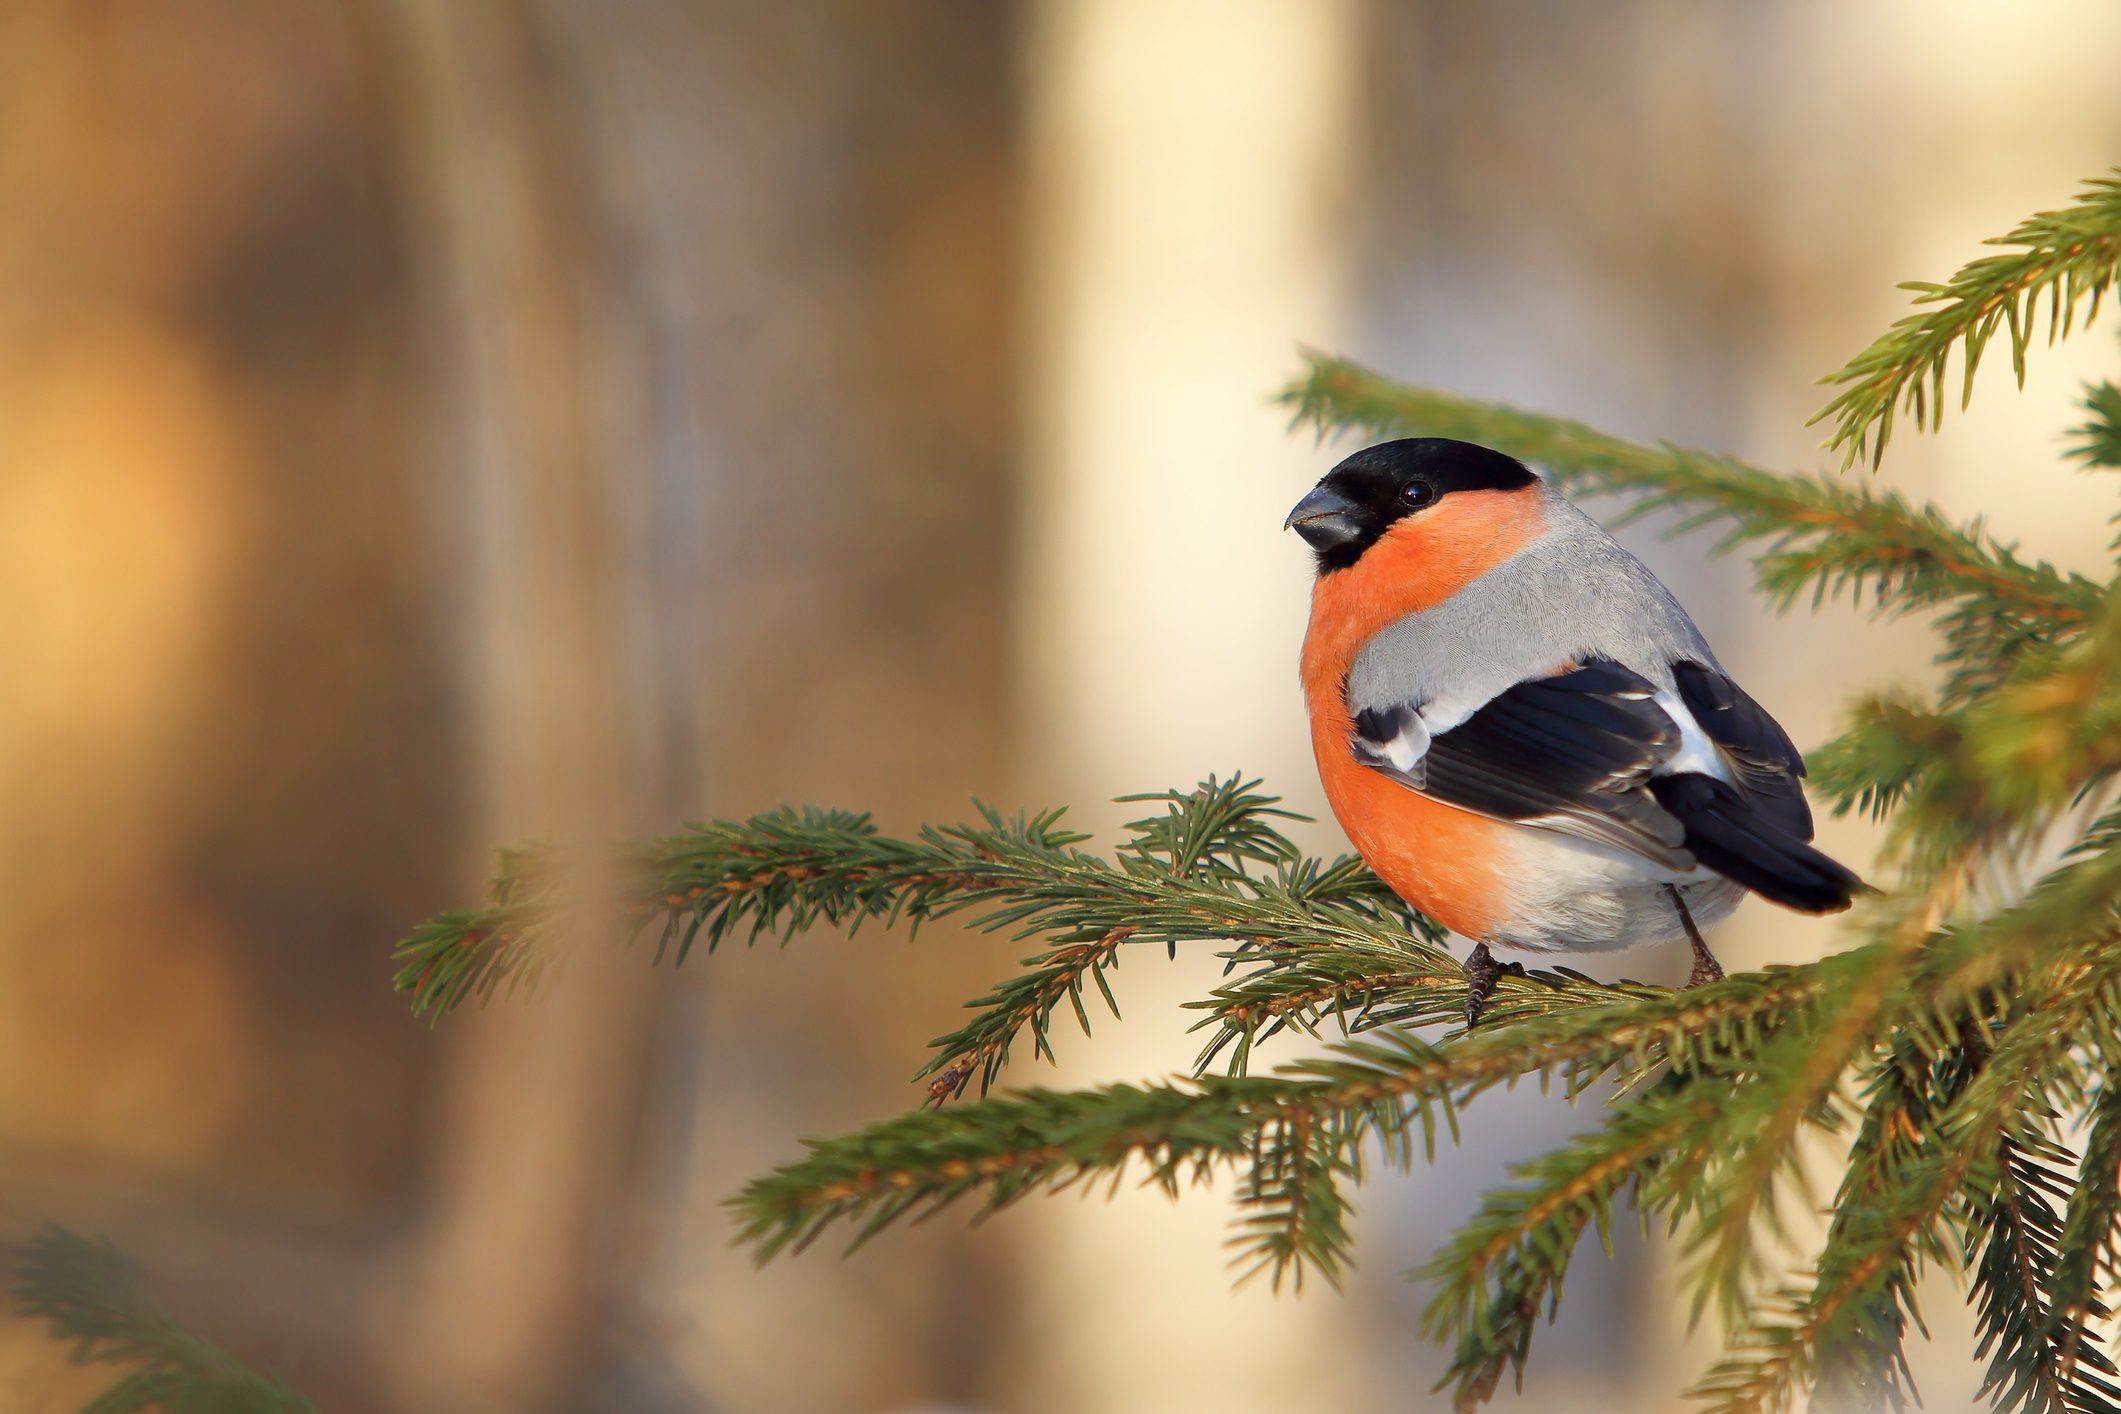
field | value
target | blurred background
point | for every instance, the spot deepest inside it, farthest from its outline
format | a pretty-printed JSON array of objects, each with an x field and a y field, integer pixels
[{"x": 427, "y": 424}]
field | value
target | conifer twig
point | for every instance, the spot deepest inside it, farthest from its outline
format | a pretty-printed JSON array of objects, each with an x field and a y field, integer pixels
[
  {"x": 2099, "y": 438},
  {"x": 87, "y": 1293},
  {"x": 1362, "y": 989},
  {"x": 1375, "y": 1091},
  {"x": 1210, "y": 867},
  {"x": 2068, "y": 256},
  {"x": 1497, "y": 1273},
  {"x": 2088, "y": 1251}
]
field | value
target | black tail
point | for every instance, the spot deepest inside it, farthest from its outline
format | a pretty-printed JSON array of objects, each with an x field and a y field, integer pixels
[{"x": 1741, "y": 843}]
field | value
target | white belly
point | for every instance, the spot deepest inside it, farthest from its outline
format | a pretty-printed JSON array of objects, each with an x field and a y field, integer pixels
[{"x": 1571, "y": 895}]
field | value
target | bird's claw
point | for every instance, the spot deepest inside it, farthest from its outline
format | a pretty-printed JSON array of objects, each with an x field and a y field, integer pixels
[
  {"x": 1482, "y": 970},
  {"x": 1706, "y": 969}
]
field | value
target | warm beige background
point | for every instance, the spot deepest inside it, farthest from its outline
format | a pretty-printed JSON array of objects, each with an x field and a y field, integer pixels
[{"x": 426, "y": 423}]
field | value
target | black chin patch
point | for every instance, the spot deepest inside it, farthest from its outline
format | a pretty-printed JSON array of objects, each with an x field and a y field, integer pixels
[{"x": 1392, "y": 480}]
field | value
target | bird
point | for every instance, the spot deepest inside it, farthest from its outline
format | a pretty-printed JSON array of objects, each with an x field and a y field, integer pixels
[{"x": 1520, "y": 729}]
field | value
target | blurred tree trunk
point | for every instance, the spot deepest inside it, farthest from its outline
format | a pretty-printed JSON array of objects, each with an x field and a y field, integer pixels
[
  {"x": 282, "y": 670},
  {"x": 825, "y": 198},
  {"x": 542, "y": 1100}
]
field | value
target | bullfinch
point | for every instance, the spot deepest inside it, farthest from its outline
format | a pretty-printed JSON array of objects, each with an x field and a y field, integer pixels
[{"x": 1519, "y": 728}]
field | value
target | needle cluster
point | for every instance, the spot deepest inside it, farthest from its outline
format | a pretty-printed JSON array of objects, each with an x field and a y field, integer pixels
[
  {"x": 88, "y": 1295},
  {"x": 2063, "y": 259}
]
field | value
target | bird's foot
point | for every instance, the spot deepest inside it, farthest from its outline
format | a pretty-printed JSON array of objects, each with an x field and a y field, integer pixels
[
  {"x": 1481, "y": 972},
  {"x": 1706, "y": 967}
]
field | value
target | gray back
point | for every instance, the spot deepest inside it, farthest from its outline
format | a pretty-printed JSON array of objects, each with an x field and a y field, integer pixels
[{"x": 1571, "y": 594}]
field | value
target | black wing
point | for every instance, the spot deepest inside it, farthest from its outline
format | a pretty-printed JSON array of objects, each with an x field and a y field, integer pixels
[
  {"x": 1761, "y": 754},
  {"x": 1571, "y": 753},
  {"x": 1731, "y": 835},
  {"x": 1581, "y": 752}
]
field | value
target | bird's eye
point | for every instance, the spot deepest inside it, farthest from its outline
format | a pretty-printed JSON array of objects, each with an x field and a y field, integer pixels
[{"x": 1417, "y": 493}]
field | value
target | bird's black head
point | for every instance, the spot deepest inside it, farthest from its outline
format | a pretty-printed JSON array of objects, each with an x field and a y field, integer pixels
[{"x": 1362, "y": 498}]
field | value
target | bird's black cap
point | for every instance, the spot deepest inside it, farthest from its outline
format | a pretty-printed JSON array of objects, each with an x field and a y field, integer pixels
[{"x": 1361, "y": 498}]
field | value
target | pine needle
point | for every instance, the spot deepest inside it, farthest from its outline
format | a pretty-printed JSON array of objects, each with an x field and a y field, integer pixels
[{"x": 87, "y": 1293}]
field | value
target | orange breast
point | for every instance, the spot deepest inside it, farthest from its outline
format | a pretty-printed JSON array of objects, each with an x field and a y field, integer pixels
[{"x": 1451, "y": 864}]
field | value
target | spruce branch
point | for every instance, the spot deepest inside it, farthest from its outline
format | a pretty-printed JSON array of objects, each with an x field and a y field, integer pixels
[
  {"x": 2010, "y": 1167},
  {"x": 1892, "y": 1219},
  {"x": 1294, "y": 1138},
  {"x": 1180, "y": 874},
  {"x": 1914, "y": 983},
  {"x": 2041, "y": 1361},
  {"x": 1847, "y": 1333},
  {"x": 2099, "y": 438},
  {"x": 87, "y": 1292},
  {"x": 2014, "y": 1230},
  {"x": 1907, "y": 983},
  {"x": 2088, "y": 1251},
  {"x": 1754, "y": 1143},
  {"x": 1500, "y": 1271},
  {"x": 1361, "y": 988},
  {"x": 1379, "y": 1092},
  {"x": 2067, "y": 257},
  {"x": 1890, "y": 740},
  {"x": 1210, "y": 867},
  {"x": 1348, "y": 986},
  {"x": 1994, "y": 775},
  {"x": 1953, "y": 1165}
]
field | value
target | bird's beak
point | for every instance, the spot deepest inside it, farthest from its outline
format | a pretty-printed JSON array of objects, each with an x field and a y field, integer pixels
[{"x": 1324, "y": 520}]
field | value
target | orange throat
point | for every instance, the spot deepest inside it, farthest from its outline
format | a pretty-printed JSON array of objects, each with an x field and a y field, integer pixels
[{"x": 1449, "y": 863}]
